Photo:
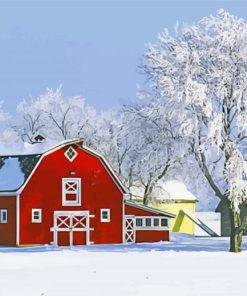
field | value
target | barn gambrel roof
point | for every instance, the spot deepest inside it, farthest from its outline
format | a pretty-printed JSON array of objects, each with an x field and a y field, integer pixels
[{"x": 15, "y": 170}]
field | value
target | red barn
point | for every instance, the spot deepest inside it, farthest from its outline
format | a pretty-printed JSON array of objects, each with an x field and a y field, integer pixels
[{"x": 69, "y": 195}]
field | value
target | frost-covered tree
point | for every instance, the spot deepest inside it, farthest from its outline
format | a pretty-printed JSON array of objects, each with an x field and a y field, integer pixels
[
  {"x": 155, "y": 151},
  {"x": 55, "y": 117},
  {"x": 4, "y": 119},
  {"x": 31, "y": 121},
  {"x": 200, "y": 75},
  {"x": 112, "y": 140}
]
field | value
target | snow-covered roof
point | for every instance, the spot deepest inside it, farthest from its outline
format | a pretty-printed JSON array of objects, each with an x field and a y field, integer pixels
[
  {"x": 29, "y": 149},
  {"x": 14, "y": 170},
  {"x": 208, "y": 216},
  {"x": 172, "y": 190},
  {"x": 169, "y": 190},
  {"x": 11, "y": 176}
]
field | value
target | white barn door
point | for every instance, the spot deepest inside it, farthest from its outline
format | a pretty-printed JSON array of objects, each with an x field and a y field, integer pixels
[{"x": 70, "y": 223}]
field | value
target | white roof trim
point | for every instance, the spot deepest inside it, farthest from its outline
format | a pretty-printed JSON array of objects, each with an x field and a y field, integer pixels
[
  {"x": 108, "y": 167},
  {"x": 146, "y": 208}
]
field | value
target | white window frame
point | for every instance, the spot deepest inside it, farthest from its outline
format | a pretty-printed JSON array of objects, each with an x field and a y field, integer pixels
[
  {"x": 70, "y": 159},
  {"x": 66, "y": 202},
  {"x": 108, "y": 219},
  {"x": 159, "y": 222},
  {"x": 152, "y": 227},
  {"x": 35, "y": 220},
  {"x": 167, "y": 220},
  {"x": 141, "y": 222},
  {"x": 3, "y": 221},
  {"x": 145, "y": 222}
]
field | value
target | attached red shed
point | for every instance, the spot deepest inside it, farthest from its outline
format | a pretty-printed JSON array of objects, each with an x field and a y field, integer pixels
[{"x": 69, "y": 195}]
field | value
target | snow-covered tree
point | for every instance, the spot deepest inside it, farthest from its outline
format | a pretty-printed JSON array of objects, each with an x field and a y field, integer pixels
[
  {"x": 112, "y": 140},
  {"x": 155, "y": 151},
  {"x": 200, "y": 76},
  {"x": 31, "y": 121},
  {"x": 55, "y": 117}
]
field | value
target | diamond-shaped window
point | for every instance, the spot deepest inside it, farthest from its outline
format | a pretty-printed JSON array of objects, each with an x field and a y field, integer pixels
[{"x": 70, "y": 153}]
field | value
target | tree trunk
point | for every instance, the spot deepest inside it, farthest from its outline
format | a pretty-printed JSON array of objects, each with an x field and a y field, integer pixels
[
  {"x": 236, "y": 232},
  {"x": 145, "y": 200}
]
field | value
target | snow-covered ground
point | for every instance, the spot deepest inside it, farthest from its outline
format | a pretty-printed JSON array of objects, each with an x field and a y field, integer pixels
[{"x": 185, "y": 267}]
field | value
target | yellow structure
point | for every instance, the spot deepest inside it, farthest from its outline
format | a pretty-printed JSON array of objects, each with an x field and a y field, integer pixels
[
  {"x": 173, "y": 197},
  {"x": 181, "y": 223}
]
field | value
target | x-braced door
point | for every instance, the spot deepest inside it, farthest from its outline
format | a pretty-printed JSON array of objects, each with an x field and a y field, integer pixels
[
  {"x": 73, "y": 223},
  {"x": 129, "y": 229}
]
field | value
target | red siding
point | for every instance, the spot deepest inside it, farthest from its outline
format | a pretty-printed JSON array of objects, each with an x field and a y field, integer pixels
[
  {"x": 147, "y": 235},
  {"x": 63, "y": 238},
  {"x": 44, "y": 190},
  {"x": 8, "y": 230},
  {"x": 130, "y": 210},
  {"x": 144, "y": 236},
  {"x": 79, "y": 238}
]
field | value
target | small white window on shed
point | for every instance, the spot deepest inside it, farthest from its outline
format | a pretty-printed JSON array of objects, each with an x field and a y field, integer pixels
[
  {"x": 70, "y": 153},
  {"x": 156, "y": 222},
  {"x": 105, "y": 215},
  {"x": 36, "y": 215},
  {"x": 164, "y": 222},
  {"x": 139, "y": 222},
  {"x": 148, "y": 222},
  {"x": 4, "y": 216}
]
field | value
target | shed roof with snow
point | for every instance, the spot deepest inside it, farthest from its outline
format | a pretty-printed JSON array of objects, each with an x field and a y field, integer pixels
[
  {"x": 172, "y": 190},
  {"x": 166, "y": 191}
]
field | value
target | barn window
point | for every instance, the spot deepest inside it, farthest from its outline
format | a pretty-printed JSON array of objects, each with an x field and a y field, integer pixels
[
  {"x": 71, "y": 191},
  {"x": 70, "y": 153},
  {"x": 164, "y": 222},
  {"x": 148, "y": 222},
  {"x": 105, "y": 215},
  {"x": 139, "y": 222},
  {"x": 36, "y": 215},
  {"x": 156, "y": 222},
  {"x": 4, "y": 216}
]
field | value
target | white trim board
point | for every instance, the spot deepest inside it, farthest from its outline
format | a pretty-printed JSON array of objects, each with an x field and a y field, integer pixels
[
  {"x": 18, "y": 220},
  {"x": 146, "y": 208}
]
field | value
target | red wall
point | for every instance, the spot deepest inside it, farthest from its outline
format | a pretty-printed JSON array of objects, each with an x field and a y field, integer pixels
[
  {"x": 130, "y": 210},
  {"x": 8, "y": 230},
  {"x": 144, "y": 236},
  {"x": 44, "y": 191}
]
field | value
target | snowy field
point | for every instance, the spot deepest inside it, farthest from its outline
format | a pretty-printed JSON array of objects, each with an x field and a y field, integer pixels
[{"x": 184, "y": 267}]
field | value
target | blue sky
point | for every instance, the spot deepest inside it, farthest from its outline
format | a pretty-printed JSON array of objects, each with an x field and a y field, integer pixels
[{"x": 92, "y": 48}]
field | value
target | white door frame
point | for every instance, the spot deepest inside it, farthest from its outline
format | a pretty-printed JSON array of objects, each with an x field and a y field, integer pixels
[
  {"x": 68, "y": 225},
  {"x": 129, "y": 229}
]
